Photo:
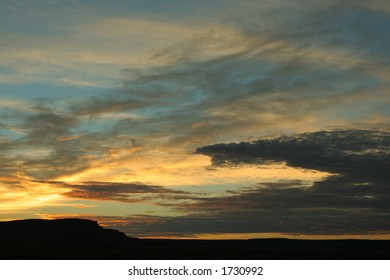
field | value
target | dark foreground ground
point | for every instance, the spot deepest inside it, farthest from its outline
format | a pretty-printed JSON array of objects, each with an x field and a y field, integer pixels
[{"x": 72, "y": 239}]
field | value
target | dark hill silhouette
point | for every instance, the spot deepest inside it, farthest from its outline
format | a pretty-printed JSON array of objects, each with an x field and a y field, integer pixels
[
  {"x": 57, "y": 239},
  {"x": 61, "y": 230},
  {"x": 85, "y": 239}
]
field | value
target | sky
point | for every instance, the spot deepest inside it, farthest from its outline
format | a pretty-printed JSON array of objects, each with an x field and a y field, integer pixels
[{"x": 198, "y": 119}]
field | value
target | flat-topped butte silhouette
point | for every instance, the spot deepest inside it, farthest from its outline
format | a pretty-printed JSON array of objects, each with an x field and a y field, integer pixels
[
  {"x": 85, "y": 239},
  {"x": 60, "y": 230},
  {"x": 58, "y": 239}
]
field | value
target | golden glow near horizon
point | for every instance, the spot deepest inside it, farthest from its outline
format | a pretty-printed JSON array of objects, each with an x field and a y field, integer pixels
[
  {"x": 190, "y": 171},
  {"x": 30, "y": 195},
  {"x": 260, "y": 235},
  {"x": 181, "y": 170}
]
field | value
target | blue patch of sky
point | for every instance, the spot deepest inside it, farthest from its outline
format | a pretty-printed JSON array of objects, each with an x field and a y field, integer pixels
[
  {"x": 39, "y": 16},
  {"x": 166, "y": 96},
  {"x": 4, "y": 70},
  {"x": 364, "y": 27},
  {"x": 10, "y": 135},
  {"x": 91, "y": 126},
  {"x": 355, "y": 111},
  {"x": 34, "y": 91},
  {"x": 333, "y": 83},
  {"x": 210, "y": 189},
  {"x": 359, "y": 30},
  {"x": 11, "y": 116},
  {"x": 244, "y": 76},
  {"x": 172, "y": 10}
]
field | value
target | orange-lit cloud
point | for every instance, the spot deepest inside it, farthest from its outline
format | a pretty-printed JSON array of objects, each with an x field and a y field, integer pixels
[
  {"x": 68, "y": 138},
  {"x": 28, "y": 195}
]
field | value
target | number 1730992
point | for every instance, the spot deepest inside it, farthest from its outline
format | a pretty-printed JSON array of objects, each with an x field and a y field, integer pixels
[{"x": 237, "y": 270}]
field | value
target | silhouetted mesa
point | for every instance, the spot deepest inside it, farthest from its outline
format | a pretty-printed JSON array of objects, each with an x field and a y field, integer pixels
[
  {"x": 85, "y": 239},
  {"x": 58, "y": 239},
  {"x": 61, "y": 230}
]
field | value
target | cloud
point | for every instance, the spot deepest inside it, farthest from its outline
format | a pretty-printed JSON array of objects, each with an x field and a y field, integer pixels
[
  {"x": 19, "y": 194},
  {"x": 68, "y": 138},
  {"x": 122, "y": 192},
  {"x": 362, "y": 153}
]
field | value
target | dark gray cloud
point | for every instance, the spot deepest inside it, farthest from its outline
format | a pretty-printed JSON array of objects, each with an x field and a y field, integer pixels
[
  {"x": 337, "y": 192},
  {"x": 95, "y": 106},
  {"x": 291, "y": 221},
  {"x": 123, "y": 192},
  {"x": 54, "y": 143},
  {"x": 361, "y": 153}
]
